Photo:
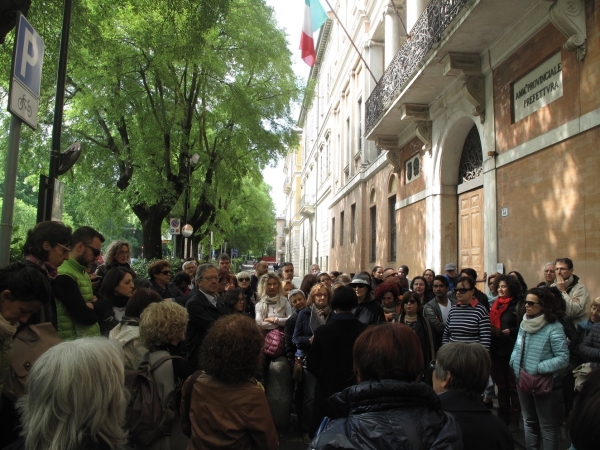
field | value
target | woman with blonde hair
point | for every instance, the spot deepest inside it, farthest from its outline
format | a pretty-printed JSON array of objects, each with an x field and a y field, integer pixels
[
  {"x": 117, "y": 254},
  {"x": 162, "y": 328},
  {"x": 273, "y": 309},
  {"x": 76, "y": 398}
]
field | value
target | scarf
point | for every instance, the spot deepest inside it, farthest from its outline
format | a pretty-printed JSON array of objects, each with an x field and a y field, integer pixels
[
  {"x": 51, "y": 271},
  {"x": 389, "y": 309},
  {"x": 534, "y": 324},
  {"x": 318, "y": 316},
  {"x": 268, "y": 301},
  {"x": 7, "y": 330},
  {"x": 500, "y": 305}
]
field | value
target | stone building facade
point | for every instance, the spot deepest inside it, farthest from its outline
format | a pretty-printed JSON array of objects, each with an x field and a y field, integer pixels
[{"x": 478, "y": 143}]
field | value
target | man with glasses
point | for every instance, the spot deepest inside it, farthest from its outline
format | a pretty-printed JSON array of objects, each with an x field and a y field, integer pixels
[
  {"x": 203, "y": 310},
  {"x": 573, "y": 292},
  {"x": 391, "y": 276},
  {"x": 76, "y": 308}
]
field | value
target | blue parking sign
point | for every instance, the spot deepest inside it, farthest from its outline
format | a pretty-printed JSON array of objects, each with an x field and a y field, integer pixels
[{"x": 28, "y": 57}]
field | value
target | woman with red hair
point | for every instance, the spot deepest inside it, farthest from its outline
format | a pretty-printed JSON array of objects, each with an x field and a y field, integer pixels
[{"x": 389, "y": 408}]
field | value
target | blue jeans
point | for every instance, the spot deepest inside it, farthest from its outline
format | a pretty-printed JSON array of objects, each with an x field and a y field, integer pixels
[{"x": 542, "y": 417}]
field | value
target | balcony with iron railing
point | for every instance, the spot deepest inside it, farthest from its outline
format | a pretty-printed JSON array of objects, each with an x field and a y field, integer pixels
[{"x": 421, "y": 71}]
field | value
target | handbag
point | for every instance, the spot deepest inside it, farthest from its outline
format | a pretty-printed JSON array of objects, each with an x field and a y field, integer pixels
[
  {"x": 298, "y": 368},
  {"x": 538, "y": 385},
  {"x": 28, "y": 345},
  {"x": 274, "y": 345},
  {"x": 581, "y": 373}
]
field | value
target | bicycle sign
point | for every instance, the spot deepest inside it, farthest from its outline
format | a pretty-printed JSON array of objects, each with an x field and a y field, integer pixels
[{"x": 26, "y": 73}]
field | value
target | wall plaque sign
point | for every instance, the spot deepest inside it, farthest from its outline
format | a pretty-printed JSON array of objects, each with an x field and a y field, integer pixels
[{"x": 538, "y": 88}]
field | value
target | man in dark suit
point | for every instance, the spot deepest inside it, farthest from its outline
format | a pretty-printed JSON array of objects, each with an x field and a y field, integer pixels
[
  {"x": 203, "y": 309},
  {"x": 330, "y": 357}
]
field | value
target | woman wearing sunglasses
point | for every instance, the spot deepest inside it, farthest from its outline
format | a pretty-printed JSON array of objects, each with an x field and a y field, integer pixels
[
  {"x": 160, "y": 277},
  {"x": 541, "y": 350},
  {"x": 468, "y": 321},
  {"x": 413, "y": 316},
  {"x": 251, "y": 297}
]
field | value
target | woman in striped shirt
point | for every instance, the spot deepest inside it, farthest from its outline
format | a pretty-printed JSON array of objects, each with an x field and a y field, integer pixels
[{"x": 468, "y": 321}]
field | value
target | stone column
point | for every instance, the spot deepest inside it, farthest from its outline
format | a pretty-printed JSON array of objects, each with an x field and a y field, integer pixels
[
  {"x": 442, "y": 228},
  {"x": 414, "y": 8},
  {"x": 393, "y": 35}
]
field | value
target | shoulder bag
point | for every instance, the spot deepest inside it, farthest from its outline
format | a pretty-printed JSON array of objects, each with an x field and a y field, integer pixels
[{"x": 538, "y": 385}]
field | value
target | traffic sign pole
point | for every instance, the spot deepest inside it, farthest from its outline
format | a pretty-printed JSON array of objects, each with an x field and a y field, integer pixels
[{"x": 10, "y": 182}]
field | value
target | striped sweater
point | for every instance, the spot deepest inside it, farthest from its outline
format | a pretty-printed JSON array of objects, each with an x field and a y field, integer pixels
[{"x": 468, "y": 323}]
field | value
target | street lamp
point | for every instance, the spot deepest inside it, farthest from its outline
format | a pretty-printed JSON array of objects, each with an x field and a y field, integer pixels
[{"x": 190, "y": 160}]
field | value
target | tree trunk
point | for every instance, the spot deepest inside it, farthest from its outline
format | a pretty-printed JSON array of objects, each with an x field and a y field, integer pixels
[{"x": 151, "y": 219}]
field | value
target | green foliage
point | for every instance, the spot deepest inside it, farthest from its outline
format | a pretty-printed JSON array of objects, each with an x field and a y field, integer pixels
[
  {"x": 16, "y": 246},
  {"x": 141, "y": 266}
]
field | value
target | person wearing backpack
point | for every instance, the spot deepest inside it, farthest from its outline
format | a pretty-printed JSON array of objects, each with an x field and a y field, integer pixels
[{"x": 162, "y": 327}]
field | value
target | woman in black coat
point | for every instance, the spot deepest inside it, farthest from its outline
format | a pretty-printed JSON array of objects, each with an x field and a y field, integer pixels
[
  {"x": 389, "y": 408},
  {"x": 413, "y": 316},
  {"x": 504, "y": 323},
  {"x": 330, "y": 356}
]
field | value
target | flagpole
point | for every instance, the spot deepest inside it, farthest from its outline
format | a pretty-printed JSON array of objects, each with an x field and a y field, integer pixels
[{"x": 351, "y": 41}]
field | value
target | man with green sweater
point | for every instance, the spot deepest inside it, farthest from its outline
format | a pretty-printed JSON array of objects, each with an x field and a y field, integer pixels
[{"x": 76, "y": 308}]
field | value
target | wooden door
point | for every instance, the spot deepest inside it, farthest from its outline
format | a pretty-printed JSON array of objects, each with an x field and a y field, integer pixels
[{"x": 470, "y": 232}]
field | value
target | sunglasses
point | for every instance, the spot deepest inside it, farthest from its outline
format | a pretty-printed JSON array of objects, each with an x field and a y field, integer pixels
[
  {"x": 95, "y": 251},
  {"x": 241, "y": 280},
  {"x": 461, "y": 290},
  {"x": 530, "y": 304},
  {"x": 166, "y": 272}
]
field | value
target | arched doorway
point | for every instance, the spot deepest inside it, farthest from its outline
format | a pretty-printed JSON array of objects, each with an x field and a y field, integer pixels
[{"x": 470, "y": 204}]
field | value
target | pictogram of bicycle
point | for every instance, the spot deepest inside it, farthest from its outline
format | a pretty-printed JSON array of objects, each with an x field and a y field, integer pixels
[{"x": 23, "y": 104}]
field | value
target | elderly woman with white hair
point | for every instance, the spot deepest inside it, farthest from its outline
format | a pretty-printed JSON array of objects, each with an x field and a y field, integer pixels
[
  {"x": 251, "y": 297},
  {"x": 63, "y": 409}
]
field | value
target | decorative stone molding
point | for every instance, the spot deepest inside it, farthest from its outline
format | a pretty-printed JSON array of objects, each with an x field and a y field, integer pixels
[
  {"x": 423, "y": 132},
  {"x": 467, "y": 66},
  {"x": 569, "y": 17},
  {"x": 474, "y": 91},
  {"x": 412, "y": 111},
  {"x": 394, "y": 155}
]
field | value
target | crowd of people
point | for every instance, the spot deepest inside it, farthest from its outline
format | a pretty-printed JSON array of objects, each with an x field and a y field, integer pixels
[{"x": 376, "y": 359}]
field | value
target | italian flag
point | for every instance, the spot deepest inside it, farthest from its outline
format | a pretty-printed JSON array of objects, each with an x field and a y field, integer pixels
[{"x": 314, "y": 18}]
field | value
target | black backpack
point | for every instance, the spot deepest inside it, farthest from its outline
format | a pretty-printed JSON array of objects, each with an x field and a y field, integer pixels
[{"x": 147, "y": 421}]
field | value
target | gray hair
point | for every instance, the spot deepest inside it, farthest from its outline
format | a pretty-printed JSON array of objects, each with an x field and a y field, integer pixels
[
  {"x": 112, "y": 250},
  {"x": 262, "y": 284},
  {"x": 468, "y": 364},
  {"x": 63, "y": 409},
  {"x": 243, "y": 274},
  {"x": 296, "y": 291},
  {"x": 203, "y": 268},
  {"x": 549, "y": 263}
]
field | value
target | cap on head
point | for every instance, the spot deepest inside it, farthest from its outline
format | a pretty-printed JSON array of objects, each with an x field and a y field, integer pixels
[
  {"x": 449, "y": 267},
  {"x": 360, "y": 279}
]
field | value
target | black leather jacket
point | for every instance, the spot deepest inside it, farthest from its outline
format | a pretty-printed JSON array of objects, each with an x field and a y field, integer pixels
[{"x": 389, "y": 414}]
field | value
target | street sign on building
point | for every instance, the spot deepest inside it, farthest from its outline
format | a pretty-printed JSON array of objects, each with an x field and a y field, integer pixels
[
  {"x": 26, "y": 74},
  {"x": 175, "y": 226}
]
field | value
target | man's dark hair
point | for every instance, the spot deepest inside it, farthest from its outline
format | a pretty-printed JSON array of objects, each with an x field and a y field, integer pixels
[
  {"x": 469, "y": 365},
  {"x": 405, "y": 268},
  {"x": 284, "y": 264},
  {"x": 441, "y": 279},
  {"x": 374, "y": 269},
  {"x": 25, "y": 283},
  {"x": 469, "y": 272},
  {"x": 583, "y": 421},
  {"x": 86, "y": 235},
  {"x": 224, "y": 257},
  {"x": 51, "y": 231},
  {"x": 182, "y": 277},
  {"x": 344, "y": 299},
  {"x": 567, "y": 261}
]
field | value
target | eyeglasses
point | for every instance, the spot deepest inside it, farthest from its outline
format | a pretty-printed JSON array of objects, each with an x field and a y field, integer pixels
[
  {"x": 241, "y": 280},
  {"x": 210, "y": 278},
  {"x": 95, "y": 251},
  {"x": 64, "y": 247},
  {"x": 166, "y": 272},
  {"x": 462, "y": 290},
  {"x": 432, "y": 364},
  {"x": 391, "y": 275},
  {"x": 530, "y": 304}
]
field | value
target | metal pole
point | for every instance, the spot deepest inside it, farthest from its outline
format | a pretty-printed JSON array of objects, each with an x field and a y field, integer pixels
[
  {"x": 185, "y": 206},
  {"x": 59, "y": 104},
  {"x": 10, "y": 182}
]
